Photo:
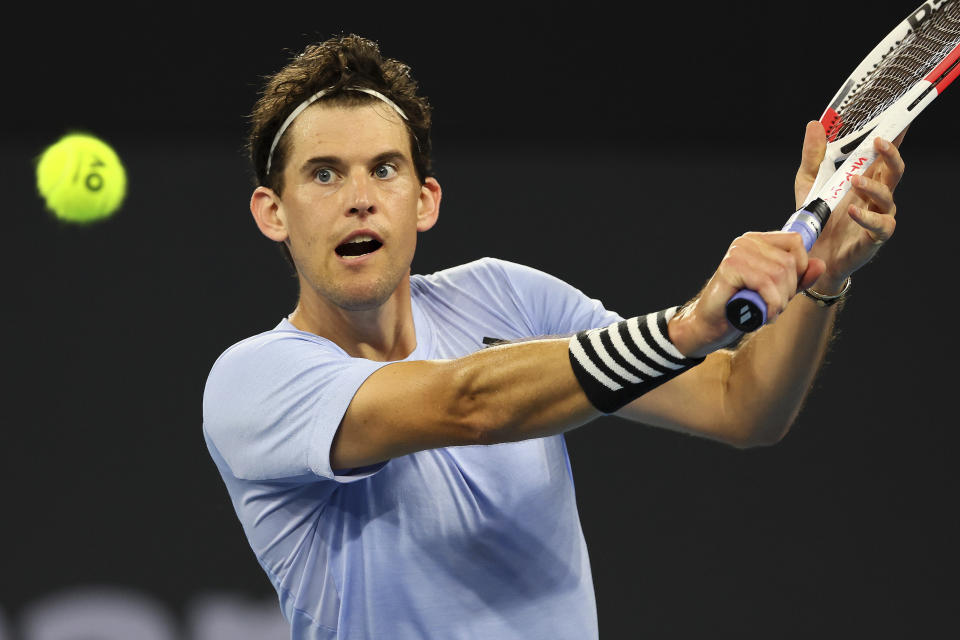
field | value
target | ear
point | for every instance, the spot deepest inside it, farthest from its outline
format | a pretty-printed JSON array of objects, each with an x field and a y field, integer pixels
[
  {"x": 268, "y": 213},
  {"x": 428, "y": 208}
]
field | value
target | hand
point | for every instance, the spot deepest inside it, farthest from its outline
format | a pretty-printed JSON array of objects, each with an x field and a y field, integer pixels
[
  {"x": 863, "y": 220},
  {"x": 775, "y": 264}
]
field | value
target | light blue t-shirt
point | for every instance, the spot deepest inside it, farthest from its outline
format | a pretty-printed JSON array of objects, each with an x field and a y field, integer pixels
[{"x": 471, "y": 543}]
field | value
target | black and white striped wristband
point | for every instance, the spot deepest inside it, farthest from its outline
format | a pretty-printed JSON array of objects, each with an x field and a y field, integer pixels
[{"x": 617, "y": 364}]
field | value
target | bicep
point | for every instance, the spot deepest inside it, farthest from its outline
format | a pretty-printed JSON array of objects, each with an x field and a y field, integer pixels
[{"x": 503, "y": 394}]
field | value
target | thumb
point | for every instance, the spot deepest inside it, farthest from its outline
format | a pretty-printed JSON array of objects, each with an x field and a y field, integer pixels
[
  {"x": 899, "y": 139},
  {"x": 815, "y": 269},
  {"x": 814, "y": 149}
]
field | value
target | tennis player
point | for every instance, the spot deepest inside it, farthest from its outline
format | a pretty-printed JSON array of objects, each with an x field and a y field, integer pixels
[{"x": 393, "y": 447}]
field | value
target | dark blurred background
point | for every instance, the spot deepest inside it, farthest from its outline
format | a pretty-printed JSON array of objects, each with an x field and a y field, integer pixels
[{"x": 584, "y": 141}]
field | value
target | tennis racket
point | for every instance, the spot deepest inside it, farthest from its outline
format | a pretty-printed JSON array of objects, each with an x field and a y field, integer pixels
[{"x": 900, "y": 77}]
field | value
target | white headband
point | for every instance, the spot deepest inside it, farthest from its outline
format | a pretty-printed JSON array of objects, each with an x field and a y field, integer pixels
[{"x": 319, "y": 94}]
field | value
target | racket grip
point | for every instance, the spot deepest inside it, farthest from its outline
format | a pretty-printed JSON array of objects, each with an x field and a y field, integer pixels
[{"x": 746, "y": 310}]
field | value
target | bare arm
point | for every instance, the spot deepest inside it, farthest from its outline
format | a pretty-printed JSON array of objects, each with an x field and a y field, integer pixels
[
  {"x": 749, "y": 396},
  {"x": 501, "y": 394},
  {"x": 744, "y": 397},
  {"x": 752, "y": 395},
  {"x": 528, "y": 390}
]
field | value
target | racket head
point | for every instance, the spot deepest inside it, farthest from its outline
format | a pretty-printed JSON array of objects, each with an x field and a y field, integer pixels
[
  {"x": 920, "y": 49},
  {"x": 906, "y": 71}
]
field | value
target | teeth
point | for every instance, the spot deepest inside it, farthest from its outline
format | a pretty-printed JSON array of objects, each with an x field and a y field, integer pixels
[{"x": 363, "y": 238}]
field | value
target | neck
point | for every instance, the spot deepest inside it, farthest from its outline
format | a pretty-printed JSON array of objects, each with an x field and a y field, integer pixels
[{"x": 384, "y": 333}]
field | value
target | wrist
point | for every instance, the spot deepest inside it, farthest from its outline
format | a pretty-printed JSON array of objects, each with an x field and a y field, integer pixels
[
  {"x": 681, "y": 331},
  {"x": 829, "y": 284},
  {"x": 686, "y": 332},
  {"x": 617, "y": 364},
  {"x": 823, "y": 299}
]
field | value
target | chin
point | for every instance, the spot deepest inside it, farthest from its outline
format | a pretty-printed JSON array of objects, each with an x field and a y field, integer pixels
[
  {"x": 362, "y": 298},
  {"x": 361, "y": 304}
]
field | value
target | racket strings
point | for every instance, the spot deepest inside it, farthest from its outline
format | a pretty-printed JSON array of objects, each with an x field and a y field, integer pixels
[{"x": 910, "y": 61}]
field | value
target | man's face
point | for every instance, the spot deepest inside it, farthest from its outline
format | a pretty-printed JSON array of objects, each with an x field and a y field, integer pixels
[{"x": 352, "y": 204}]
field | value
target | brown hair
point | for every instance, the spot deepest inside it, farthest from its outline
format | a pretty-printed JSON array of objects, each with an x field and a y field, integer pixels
[{"x": 336, "y": 64}]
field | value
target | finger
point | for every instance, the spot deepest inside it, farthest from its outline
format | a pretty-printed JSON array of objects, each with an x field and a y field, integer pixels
[
  {"x": 769, "y": 252},
  {"x": 785, "y": 260},
  {"x": 774, "y": 297},
  {"x": 899, "y": 139},
  {"x": 784, "y": 247},
  {"x": 890, "y": 167},
  {"x": 766, "y": 263},
  {"x": 876, "y": 192},
  {"x": 878, "y": 226},
  {"x": 812, "y": 154},
  {"x": 774, "y": 262},
  {"x": 814, "y": 148}
]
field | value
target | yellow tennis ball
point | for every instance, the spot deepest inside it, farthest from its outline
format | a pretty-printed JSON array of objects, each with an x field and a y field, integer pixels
[{"x": 81, "y": 178}]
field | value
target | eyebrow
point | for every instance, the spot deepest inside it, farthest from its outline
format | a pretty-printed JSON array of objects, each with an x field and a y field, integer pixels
[{"x": 336, "y": 161}]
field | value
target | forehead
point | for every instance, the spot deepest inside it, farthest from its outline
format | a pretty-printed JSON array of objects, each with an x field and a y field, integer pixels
[{"x": 344, "y": 131}]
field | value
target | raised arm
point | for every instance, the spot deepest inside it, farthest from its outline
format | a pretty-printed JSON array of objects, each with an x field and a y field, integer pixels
[
  {"x": 744, "y": 397},
  {"x": 750, "y": 396}
]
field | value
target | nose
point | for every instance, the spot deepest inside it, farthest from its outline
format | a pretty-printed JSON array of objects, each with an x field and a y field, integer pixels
[{"x": 361, "y": 200}]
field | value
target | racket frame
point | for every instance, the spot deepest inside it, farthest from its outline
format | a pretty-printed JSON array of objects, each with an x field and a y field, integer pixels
[{"x": 853, "y": 154}]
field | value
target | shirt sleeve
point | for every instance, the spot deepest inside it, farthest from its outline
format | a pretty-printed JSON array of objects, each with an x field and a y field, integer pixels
[
  {"x": 551, "y": 307},
  {"x": 273, "y": 403}
]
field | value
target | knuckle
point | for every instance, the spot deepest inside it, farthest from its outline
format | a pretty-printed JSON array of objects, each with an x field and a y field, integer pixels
[
  {"x": 735, "y": 245},
  {"x": 797, "y": 244},
  {"x": 787, "y": 265},
  {"x": 775, "y": 304},
  {"x": 781, "y": 273},
  {"x": 741, "y": 244},
  {"x": 772, "y": 287}
]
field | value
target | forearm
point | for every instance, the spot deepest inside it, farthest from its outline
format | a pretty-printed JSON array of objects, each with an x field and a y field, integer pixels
[
  {"x": 750, "y": 395},
  {"x": 771, "y": 373},
  {"x": 507, "y": 393},
  {"x": 611, "y": 367}
]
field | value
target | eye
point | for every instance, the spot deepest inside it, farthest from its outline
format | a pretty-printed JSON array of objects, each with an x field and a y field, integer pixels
[
  {"x": 324, "y": 175},
  {"x": 385, "y": 171}
]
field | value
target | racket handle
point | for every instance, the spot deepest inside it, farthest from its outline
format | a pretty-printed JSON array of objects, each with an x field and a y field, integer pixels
[{"x": 746, "y": 310}]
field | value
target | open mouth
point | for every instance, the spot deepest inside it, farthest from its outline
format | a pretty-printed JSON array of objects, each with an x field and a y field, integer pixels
[{"x": 358, "y": 246}]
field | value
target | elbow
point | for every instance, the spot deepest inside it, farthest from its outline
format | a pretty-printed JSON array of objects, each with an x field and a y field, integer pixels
[
  {"x": 761, "y": 435},
  {"x": 754, "y": 442},
  {"x": 753, "y": 425}
]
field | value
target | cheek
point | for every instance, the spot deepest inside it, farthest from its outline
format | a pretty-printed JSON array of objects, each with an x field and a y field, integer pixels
[
  {"x": 407, "y": 200},
  {"x": 306, "y": 234},
  {"x": 396, "y": 196}
]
